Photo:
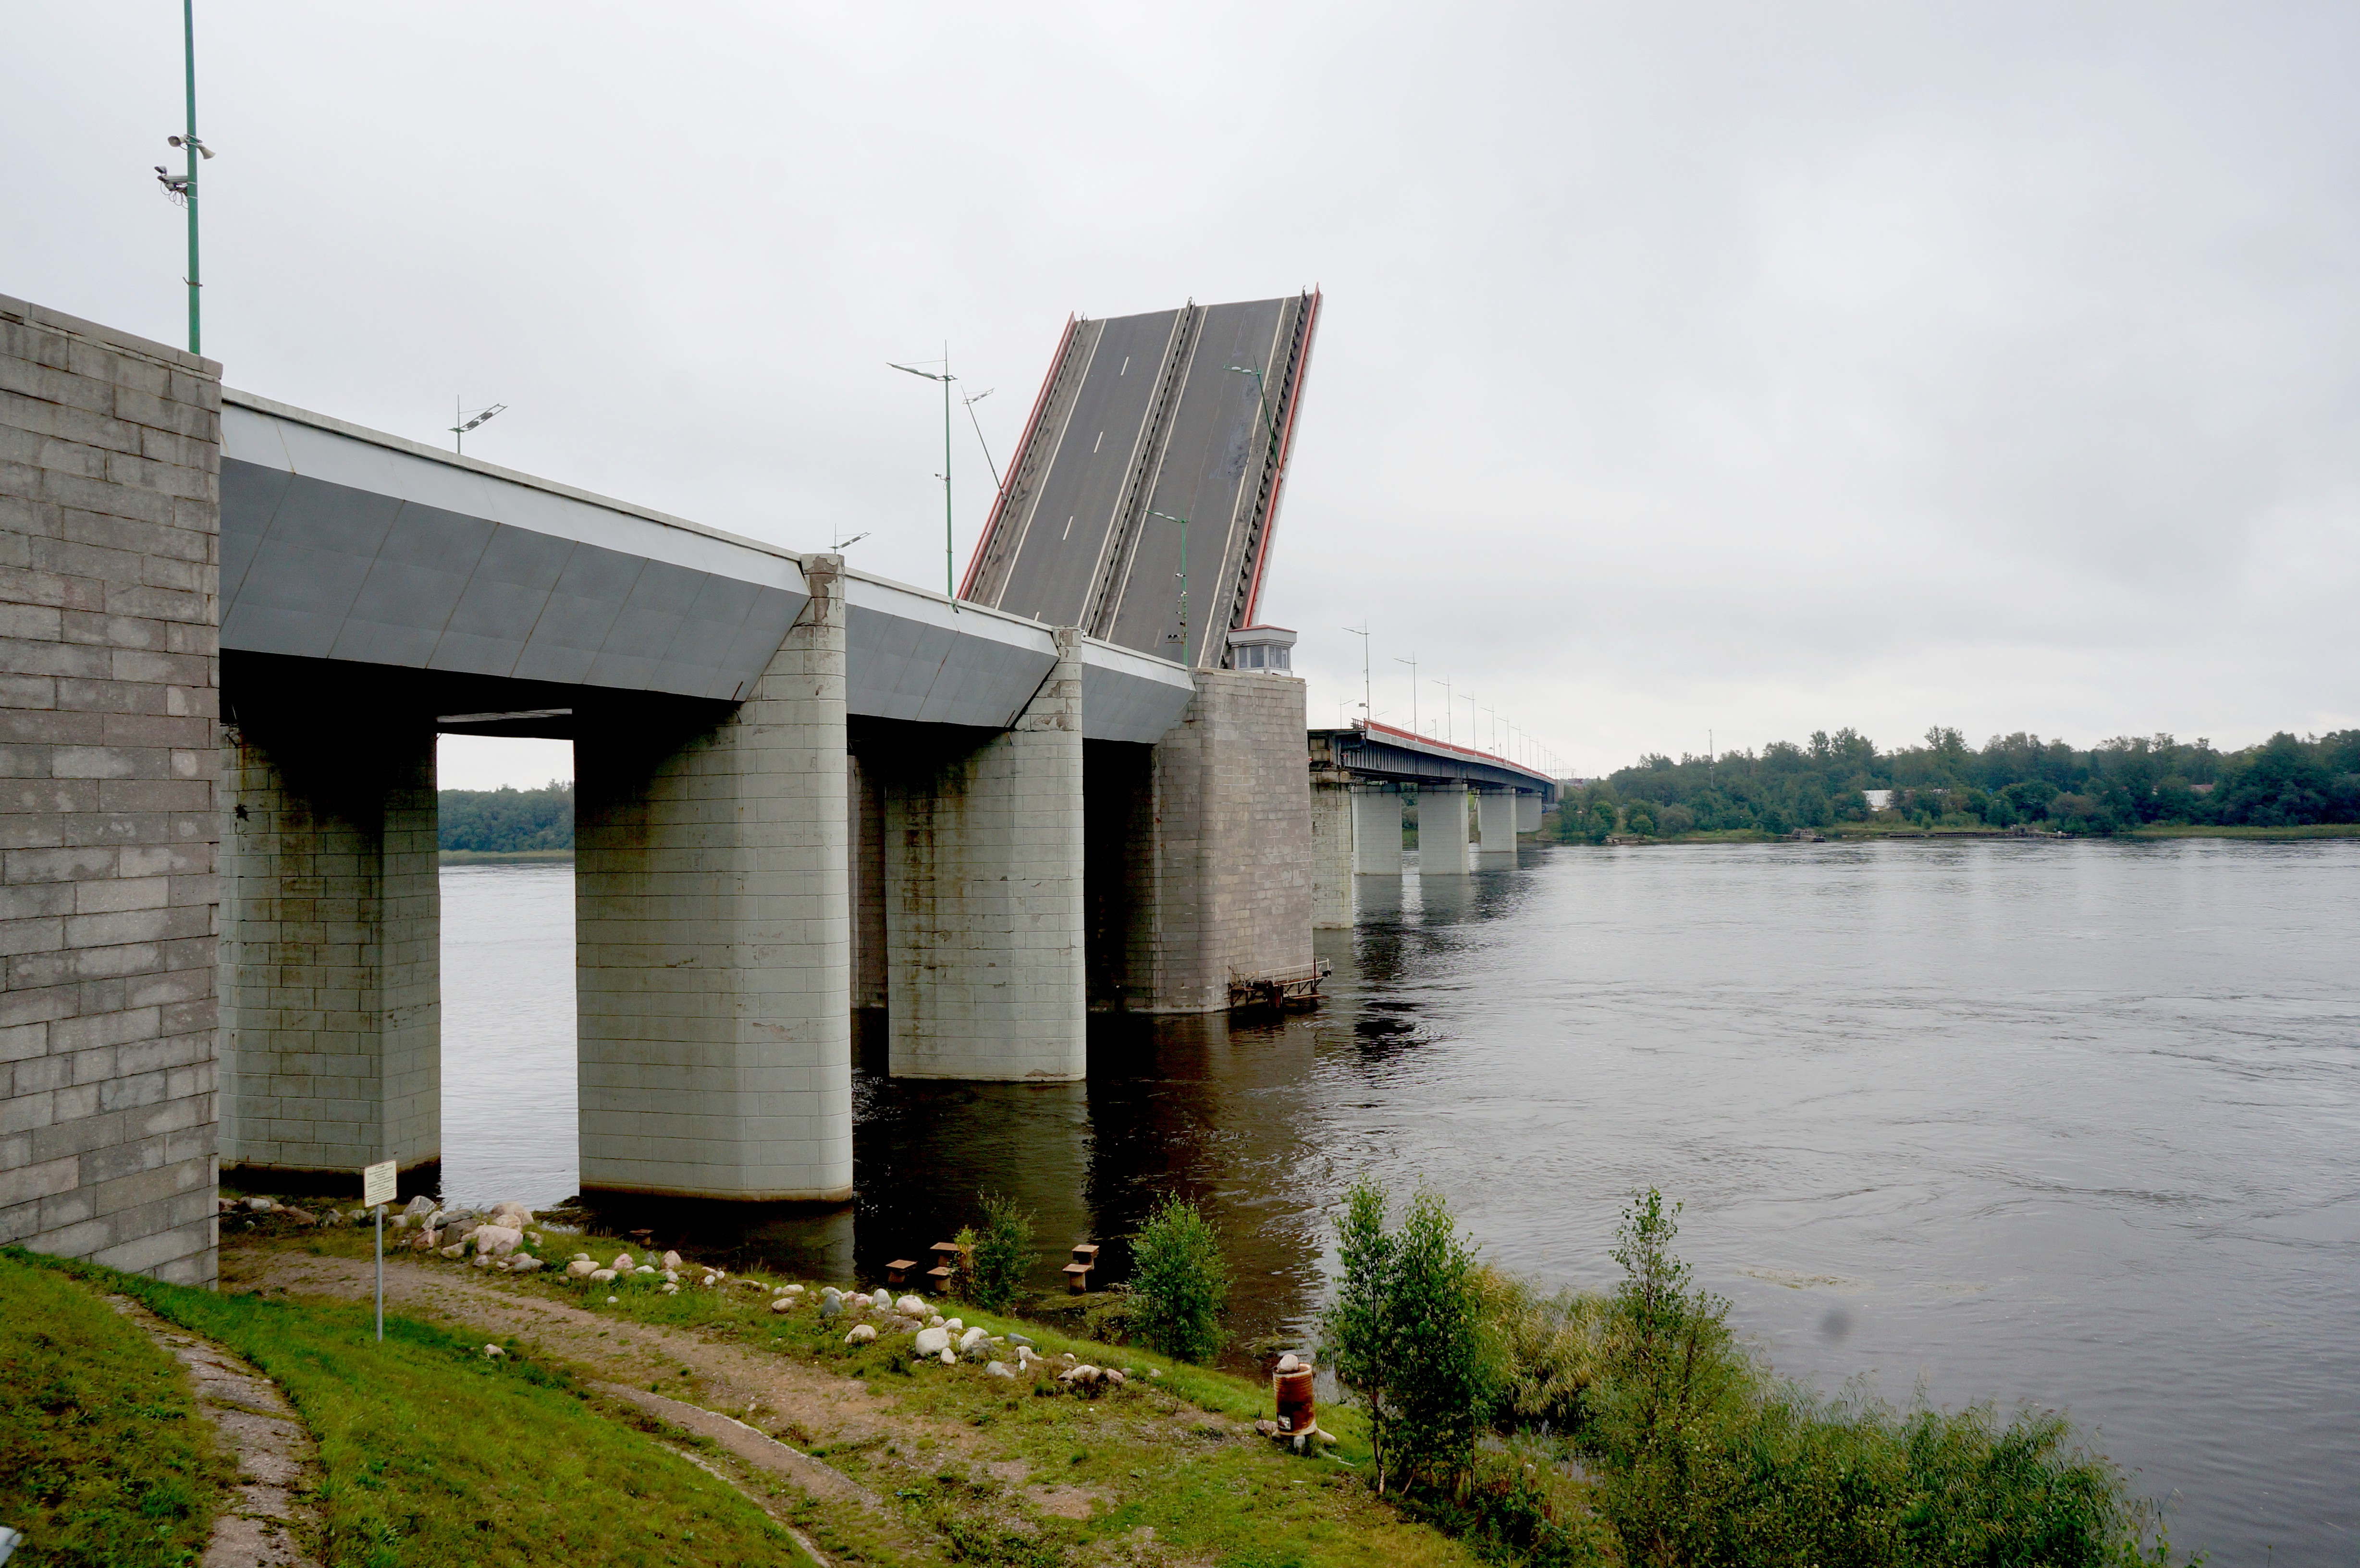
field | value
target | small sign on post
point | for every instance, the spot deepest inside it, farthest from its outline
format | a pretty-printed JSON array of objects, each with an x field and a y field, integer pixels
[{"x": 377, "y": 1184}]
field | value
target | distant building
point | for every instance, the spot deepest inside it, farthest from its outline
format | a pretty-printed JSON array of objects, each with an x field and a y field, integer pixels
[{"x": 1878, "y": 800}]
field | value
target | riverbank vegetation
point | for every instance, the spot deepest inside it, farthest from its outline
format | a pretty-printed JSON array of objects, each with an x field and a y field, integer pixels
[
  {"x": 1844, "y": 782},
  {"x": 504, "y": 822},
  {"x": 1635, "y": 1428}
]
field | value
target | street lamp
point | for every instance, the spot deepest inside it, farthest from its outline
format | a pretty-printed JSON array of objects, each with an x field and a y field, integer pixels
[
  {"x": 183, "y": 188},
  {"x": 1411, "y": 662},
  {"x": 949, "y": 549},
  {"x": 1184, "y": 580},
  {"x": 467, "y": 422},
  {"x": 1444, "y": 681},
  {"x": 1262, "y": 402}
]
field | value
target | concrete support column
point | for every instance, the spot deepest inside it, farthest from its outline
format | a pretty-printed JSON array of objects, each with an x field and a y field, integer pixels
[
  {"x": 983, "y": 897},
  {"x": 1222, "y": 888},
  {"x": 1376, "y": 832},
  {"x": 1496, "y": 822},
  {"x": 1442, "y": 830},
  {"x": 330, "y": 943},
  {"x": 713, "y": 932},
  {"x": 1528, "y": 812},
  {"x": 1331, "y": 856},
  {"x": 865, "y": 834}
]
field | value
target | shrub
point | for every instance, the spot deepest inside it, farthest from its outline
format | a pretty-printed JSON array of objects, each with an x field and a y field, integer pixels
[
  {"x": 1179, "y": 1282},
  {"x": 996, "y": 1253},
  {"x": 1408, "y": 1335}
]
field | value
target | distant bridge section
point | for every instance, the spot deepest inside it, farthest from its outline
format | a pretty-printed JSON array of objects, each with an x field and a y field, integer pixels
[
  {"x": 1360, "y": 777},
  {"x": 1144, "y": 421}
]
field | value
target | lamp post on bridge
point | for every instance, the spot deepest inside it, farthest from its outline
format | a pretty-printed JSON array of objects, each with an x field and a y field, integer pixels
[
  {"x": 1444, "y": 681},
  {"x": 1168, "y": 517},
  {"x": 1368, "y": 708},
  {"x": 1411, "y": 662},
  {"x": 950, "y": 586}
]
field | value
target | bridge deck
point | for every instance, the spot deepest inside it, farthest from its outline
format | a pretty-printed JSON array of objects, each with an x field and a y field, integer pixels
[{"x": 1144, "y": 420}]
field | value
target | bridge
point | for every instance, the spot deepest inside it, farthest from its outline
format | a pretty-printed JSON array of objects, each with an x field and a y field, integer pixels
[
  {"x": 1360, "y": 776},
  {"x": 1141, "y": 502},
  {"x": 235, "y": 628}
]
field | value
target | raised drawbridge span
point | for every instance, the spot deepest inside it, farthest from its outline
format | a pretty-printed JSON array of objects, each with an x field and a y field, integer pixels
[{"x": 1152, "y": 464}]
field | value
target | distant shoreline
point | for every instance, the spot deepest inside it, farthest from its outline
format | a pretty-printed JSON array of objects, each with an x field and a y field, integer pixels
[
  {"x": 504, "y": 857},
  {"x": 1845, "y": 832}
]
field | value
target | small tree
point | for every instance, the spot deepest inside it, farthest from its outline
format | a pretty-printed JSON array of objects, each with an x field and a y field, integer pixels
[
  {"x": 1179, "y": 1282},
  {"x": 1676, "y": 1387},
  {"x": 996, "y": 1252},
  {"x": 1408, "y": 1335}
]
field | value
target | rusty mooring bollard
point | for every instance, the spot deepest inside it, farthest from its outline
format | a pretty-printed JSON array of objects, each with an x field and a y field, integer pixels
[{"x": 1295, "y": 1415}]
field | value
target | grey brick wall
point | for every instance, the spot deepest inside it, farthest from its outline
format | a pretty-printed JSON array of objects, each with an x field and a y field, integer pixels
[
  {"x": 1223, "y": 883},
  {"x": 109, "y": 757}
]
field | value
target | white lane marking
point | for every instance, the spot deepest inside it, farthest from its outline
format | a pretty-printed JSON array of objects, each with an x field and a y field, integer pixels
[
  {"x": 1126, "y": 366},
  {"x": 1069, "y": 530},
  {"x": 1099, "y": 443}
]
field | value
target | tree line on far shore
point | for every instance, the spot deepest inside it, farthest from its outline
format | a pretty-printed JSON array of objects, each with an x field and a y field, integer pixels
[
  {"x": 2125, "y": 783},
  {"x": 507, "y": 821}
]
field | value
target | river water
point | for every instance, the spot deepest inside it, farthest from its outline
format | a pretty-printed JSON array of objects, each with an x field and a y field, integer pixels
[{"x": 2071, "y": 1124}]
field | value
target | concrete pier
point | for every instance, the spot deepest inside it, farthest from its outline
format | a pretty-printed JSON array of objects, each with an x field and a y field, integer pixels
[
  {"x": 712, "y": 931},
  {"x": 1376, "y": 831},
  {"x": 983, "y": 894},
  {"x": 1495, "y": 824},
  {"x": 1331, "y": 856},
  {"x": 1442, "y": 849},
  {"x": 1222, "y": 888},
  {"x": 330, "y": 938}
]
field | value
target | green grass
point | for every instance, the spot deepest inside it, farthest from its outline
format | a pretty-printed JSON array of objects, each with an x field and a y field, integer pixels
[
  {"x": 103, "y": 1458},
  {"x": 434, "y": 1455},
  {"x": 1146, "y": 1452}
]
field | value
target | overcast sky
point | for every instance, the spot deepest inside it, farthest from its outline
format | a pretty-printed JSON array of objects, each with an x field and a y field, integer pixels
[{"x": 1749, "y": 369}]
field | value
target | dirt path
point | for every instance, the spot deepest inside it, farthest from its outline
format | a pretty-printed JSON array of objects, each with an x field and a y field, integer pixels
[
  {"x": 276, "y": 1460},
  {"x": 780, "y": 1397}
]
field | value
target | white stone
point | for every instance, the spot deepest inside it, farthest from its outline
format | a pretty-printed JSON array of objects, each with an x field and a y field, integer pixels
[
  {"x": 862, "y": 1334},
  {"x": 581, "y": 1267},
  {"x": 604, "y": 1276},
  {"x": 881, "y": 1300},
  {"x": 933, "y": 1341},
  {"x": 672, "y": 1262},
  {"x": 783, "y": 1304},
  {"x": 497, "y": 1240},
  {"x": 997, "y": 1370},
  {"x": 1290, "y": 1363},
  {"x": 494, "y": 1353},
  {"x": 972, "y": 1338},
  {"x": 911, "y": 1307},
  {"x": 622, "y": 1264}
]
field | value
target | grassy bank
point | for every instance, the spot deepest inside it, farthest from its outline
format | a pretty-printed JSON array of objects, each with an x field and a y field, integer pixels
[
  {"x": 2192, "y": 830},
  {"x": 102, "y": 1457},
  {"x": 433, "y": 1453},
  {"x": 973, "y": 1467}
]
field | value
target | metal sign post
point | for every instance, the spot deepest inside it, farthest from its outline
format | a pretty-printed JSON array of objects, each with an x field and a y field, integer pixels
[{"x": 376, "y": 1191}]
